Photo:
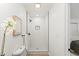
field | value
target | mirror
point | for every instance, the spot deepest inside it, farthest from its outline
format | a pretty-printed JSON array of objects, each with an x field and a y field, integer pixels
[
  {"x": 11, "y": 23},
  {"x": 18, "y": 26}
]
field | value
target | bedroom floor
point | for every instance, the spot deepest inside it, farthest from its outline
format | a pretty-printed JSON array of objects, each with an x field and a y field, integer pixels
[{"x": 38, "y": 53}]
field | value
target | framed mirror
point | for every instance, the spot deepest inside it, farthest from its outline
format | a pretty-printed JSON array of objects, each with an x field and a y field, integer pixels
[{"x": 18, "y": 26}]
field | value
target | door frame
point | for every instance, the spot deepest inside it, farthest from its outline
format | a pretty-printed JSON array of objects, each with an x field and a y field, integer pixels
[{"x": 67, "y": 31}]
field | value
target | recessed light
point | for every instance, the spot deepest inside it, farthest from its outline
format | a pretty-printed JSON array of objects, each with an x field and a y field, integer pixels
[{"x": 37, "y": 5}]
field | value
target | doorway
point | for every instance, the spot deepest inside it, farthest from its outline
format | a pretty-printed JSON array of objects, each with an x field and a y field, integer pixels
[
  {"x": 74, "y": 29},
  {"x": 38, "y": 34},
  {"x": 38, "y": 26},
  {"x": 38, "y": 29}
]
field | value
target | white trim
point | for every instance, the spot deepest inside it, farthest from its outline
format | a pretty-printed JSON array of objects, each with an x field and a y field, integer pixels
[
  {"x": 68, "y": 28},
  {"x": 67, "y": 38}
]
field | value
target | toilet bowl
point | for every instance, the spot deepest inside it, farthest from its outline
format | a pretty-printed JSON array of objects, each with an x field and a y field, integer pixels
[{"x": 20, "y": 51}]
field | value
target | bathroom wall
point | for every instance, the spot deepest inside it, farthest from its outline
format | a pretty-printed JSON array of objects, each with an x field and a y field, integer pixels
[
  {"x": 57, "y": 30},
  {"x": 7, "y": 10},
  {"x": 39, "y": 38}
]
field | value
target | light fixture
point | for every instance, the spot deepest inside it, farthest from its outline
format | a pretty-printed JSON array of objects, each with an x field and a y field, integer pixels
[{"x": 37, "y": 5}]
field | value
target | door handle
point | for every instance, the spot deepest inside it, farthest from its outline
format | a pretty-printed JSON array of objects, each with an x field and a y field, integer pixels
[{"x": 29, "y": 34}]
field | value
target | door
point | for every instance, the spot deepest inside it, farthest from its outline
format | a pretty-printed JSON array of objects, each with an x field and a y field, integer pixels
[{"x": 38, "y": 33}]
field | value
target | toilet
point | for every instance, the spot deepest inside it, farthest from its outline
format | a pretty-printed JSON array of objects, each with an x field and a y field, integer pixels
[{"x": 20, "y": 51}]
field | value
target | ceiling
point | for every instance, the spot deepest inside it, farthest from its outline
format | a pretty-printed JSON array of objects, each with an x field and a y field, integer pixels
[{"x": 42, "y": 11}]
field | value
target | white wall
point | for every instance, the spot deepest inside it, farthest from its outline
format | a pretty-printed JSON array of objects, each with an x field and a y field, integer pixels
[
  {"x": 7, "y": 10},
  {"x": 57, "y": 30},
  {"x": 39, "y": 38}
]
